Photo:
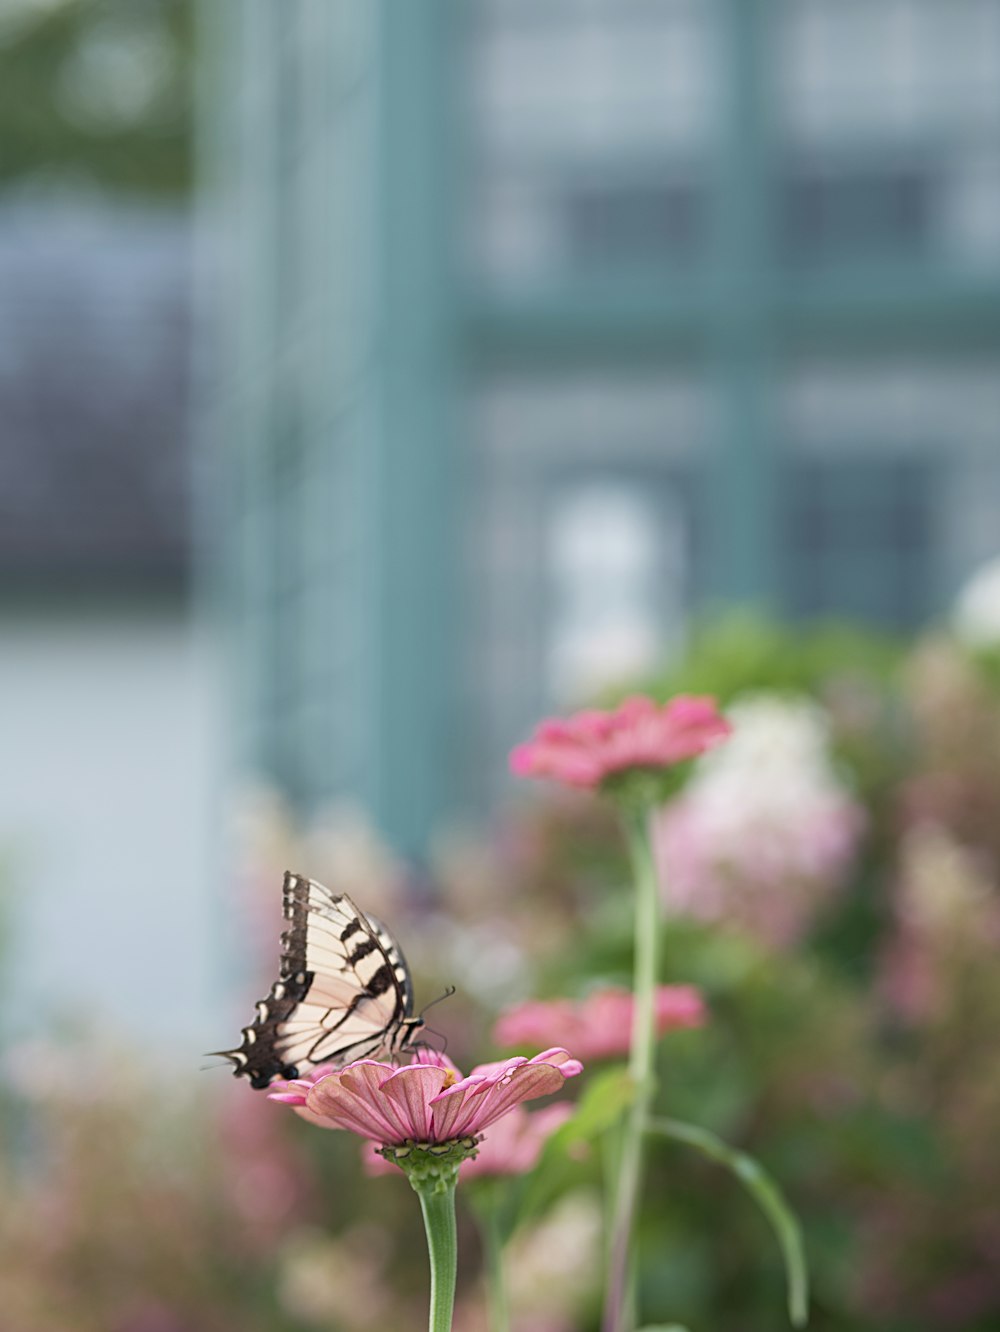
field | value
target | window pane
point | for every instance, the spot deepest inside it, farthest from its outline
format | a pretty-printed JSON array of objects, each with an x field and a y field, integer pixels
[{"x": 591, "y": 123}]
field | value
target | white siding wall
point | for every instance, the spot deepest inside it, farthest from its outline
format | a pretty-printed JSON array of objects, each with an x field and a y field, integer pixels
[{"x": 108, "y": 804}]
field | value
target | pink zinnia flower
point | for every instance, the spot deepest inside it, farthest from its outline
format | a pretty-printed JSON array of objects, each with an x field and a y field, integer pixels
[
  {"x": 511, "y": 1146},
  {"x": 599, "y": 1026},
  {"x": 424, "y": 1102},
  {"x": 584, "y": 749}
]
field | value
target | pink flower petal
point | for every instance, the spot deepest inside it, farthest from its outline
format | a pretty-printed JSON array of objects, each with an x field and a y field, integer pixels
[
  {"x": 584, "y": 749},
  {"x": 522, "y": 760},
  {"x": 592, "y": 725},
  {"x": 289, "y": 1093},
  {"x": 311, "y": 1117},
  {"x": 410, "y": 1091},
  {"x": 599, "y": 1026},
  {"x": 561, "y": 1058},
  {"x": 491, "y": 1090},
  {"x": 295, "y": 1091},
  {"x": 351, "y": 1100},
  {"x": 485, "y": 1073},
  {"x": 424, "y": 1054},
  {"x": 636, "y": 709},
  {"x": 374, "y": 1163},
  {"x": 450, "y": 1114},
  {"x": 513, "y": 1144},
  {"x": 524, "y": 1084},
  {"x": 554, "y": 731}
]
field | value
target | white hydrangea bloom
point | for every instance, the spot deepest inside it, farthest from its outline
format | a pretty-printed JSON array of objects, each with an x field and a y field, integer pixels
[
  {"x": 976, "y": 617},
  {"x": 766, "y": 826}
]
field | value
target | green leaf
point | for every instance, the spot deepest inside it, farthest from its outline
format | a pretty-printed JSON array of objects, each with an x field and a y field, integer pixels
[
  {"x": 602, "y": 1105},
  {"x": 769, "y": 1198},
  {"x": 664, "y": 1327},
  {"x": 600, "y": 1108}
]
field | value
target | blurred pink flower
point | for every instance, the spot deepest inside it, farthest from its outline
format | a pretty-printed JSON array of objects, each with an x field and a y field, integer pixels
[
  {"x": 511, "y": 1146},
  {"x": 599, "y": 1026},
  {"x": 584, "y": 749},
  {"x": 946, "y": 913},
  {"x": 264, "y": 1176},
  {"x": 424, "y": 1102},
  {"x": 765, "y": 831}
]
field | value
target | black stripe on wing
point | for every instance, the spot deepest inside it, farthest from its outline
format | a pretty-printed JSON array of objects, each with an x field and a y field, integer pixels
[{"x": 343, "y": 991}]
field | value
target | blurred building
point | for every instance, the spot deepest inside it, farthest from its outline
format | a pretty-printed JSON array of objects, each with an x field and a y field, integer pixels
[
  {"x": 108, "y": 792},
  {"x": 109, "y": 797},
  {"x": 541, "y": 324}
]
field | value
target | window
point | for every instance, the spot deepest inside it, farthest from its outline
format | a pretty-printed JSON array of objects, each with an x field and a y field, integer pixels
[
  {"x": 861, "y": 211},
  {"x": 859, "y": 539},
  {"x": 615, "y": 563}
]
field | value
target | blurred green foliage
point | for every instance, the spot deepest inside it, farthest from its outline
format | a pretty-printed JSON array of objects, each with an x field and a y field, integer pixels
[
  {"x": 97, "y": 93},
  {"x": 743, "y": 651}
]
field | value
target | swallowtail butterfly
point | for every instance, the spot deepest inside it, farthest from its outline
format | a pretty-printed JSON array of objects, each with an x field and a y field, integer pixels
[{"x": 343, "y": 991}]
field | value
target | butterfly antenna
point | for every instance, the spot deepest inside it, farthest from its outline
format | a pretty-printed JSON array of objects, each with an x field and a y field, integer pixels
[
  {"x": 447, "y": 995},
  {"x": 212, "y": 1054},
  {"x": 426, "y": 1045},
  {"x": 432, "y": 1030}
]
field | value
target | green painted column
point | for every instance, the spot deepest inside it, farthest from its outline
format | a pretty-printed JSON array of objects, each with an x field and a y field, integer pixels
[
  {"x": 742, "y": 476},
  {"x": 241, "y": 36},
  {"x": 412, "y": 468}
]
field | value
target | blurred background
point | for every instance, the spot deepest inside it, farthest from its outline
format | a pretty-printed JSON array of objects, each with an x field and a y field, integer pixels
[{"x": 376, "y": 377}]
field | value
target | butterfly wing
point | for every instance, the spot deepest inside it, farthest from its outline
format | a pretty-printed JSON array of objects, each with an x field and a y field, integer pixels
[{"x": 343, "y": 991}]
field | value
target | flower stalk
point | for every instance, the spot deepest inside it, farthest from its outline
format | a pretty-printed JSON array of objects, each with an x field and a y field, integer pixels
[
  {"x": 487, "y": 1211},
  {"x": 432, "y": 1170},
  {"x": 642, "y": 1069},
  {"x": 437, "y": 1203}
]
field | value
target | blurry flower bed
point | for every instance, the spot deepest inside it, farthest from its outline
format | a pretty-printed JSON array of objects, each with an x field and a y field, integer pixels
[{"x": 832, "y": 889}]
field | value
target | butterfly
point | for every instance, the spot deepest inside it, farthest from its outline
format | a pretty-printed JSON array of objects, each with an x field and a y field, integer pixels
[{"x": 343, "y": 991}]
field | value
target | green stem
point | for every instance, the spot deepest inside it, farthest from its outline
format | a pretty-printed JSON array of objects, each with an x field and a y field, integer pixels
[
  {"x": 437, "y": 1202},
  {"x": 768, "y": 1196},
  {"x": 642, "y": 1070},
  {"x": 496, "y": 1285}
]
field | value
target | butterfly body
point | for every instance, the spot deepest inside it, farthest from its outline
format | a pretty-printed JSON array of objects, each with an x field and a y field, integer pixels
[{"x": 343, "y": 991}]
